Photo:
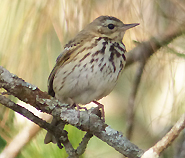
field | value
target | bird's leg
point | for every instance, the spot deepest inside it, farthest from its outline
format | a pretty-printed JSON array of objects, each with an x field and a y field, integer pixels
[
  {"x": 78, "y": 108},
  {"x": 101, "y": 106}
]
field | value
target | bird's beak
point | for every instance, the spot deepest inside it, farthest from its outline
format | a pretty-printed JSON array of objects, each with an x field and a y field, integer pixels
[{"x": 128, "y": 26}]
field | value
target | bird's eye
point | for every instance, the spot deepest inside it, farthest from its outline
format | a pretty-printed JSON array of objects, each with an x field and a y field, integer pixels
[{"x": 111, "y": 26}]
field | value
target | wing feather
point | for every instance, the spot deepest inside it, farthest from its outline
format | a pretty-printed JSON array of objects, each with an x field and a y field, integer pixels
[{"x": 67, "y": 55}]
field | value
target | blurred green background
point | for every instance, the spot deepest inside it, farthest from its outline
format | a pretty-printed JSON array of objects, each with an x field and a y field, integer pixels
[{"x": 32, "y": 35}]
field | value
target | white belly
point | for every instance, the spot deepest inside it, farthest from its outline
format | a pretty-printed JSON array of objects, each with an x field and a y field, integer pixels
[{"x": 85, "y": 81}]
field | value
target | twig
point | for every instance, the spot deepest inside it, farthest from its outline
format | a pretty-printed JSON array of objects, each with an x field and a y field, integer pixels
[
  {"x": 144, "y": 50},
  {"x": 82, "y": 146},
  {"x": 180, "y": 146},
  {"x": 53, "y": 129},
  {"x": 161, "y": 145},
  {"x": 131, "y": 103},
  {"x": 26, "y": 113},
  {"x": 23, "y": 137}
]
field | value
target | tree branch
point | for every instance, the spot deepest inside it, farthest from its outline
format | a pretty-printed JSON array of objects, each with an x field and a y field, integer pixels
[
  {"x": 131, "y": 103},
  {"x": 161, "y": 145},
  {"x": 43, "y": 124},
  {"x": 81, "y": 148},
  {"x": 144, "y": 50},
  {"x": 88, "y": 120}
]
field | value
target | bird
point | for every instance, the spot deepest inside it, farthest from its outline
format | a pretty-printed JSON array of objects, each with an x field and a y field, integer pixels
[{"x": 90, "y": 64}]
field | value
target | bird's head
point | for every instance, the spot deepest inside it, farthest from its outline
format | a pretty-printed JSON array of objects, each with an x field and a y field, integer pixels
[
  {"x": 110, "y": 27},
  {"x": 103, "y": 26}
]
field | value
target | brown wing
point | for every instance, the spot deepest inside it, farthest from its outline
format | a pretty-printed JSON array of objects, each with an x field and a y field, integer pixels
[
  {"x": 66, "y": 56},
  {"x": 63, "y": 57}
]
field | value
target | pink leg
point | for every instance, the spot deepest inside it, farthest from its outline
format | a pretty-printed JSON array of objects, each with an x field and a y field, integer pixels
[
  {"x": 101, "y": 106},
  {"x": 78, "y": 108}
]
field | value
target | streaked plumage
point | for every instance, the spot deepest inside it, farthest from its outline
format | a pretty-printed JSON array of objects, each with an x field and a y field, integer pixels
[{"x": 90, "y": 64}]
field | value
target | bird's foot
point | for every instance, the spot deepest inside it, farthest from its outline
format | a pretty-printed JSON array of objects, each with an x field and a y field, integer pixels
[{"x": 101, "y": 106}]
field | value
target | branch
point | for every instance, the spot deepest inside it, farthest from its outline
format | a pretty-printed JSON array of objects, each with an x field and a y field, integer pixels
[
  {"x": 146, "y": 49},
  {"x": 81, "y": 148},
  {"x": 88, "y": 120},
  {"x": 23, "y": 137},
  {"x": 161, "y": 145},
  {"x": 131, "y": 103},
  {"x": 49, "y": 127},
  {"x": 180, "y": 146}
]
